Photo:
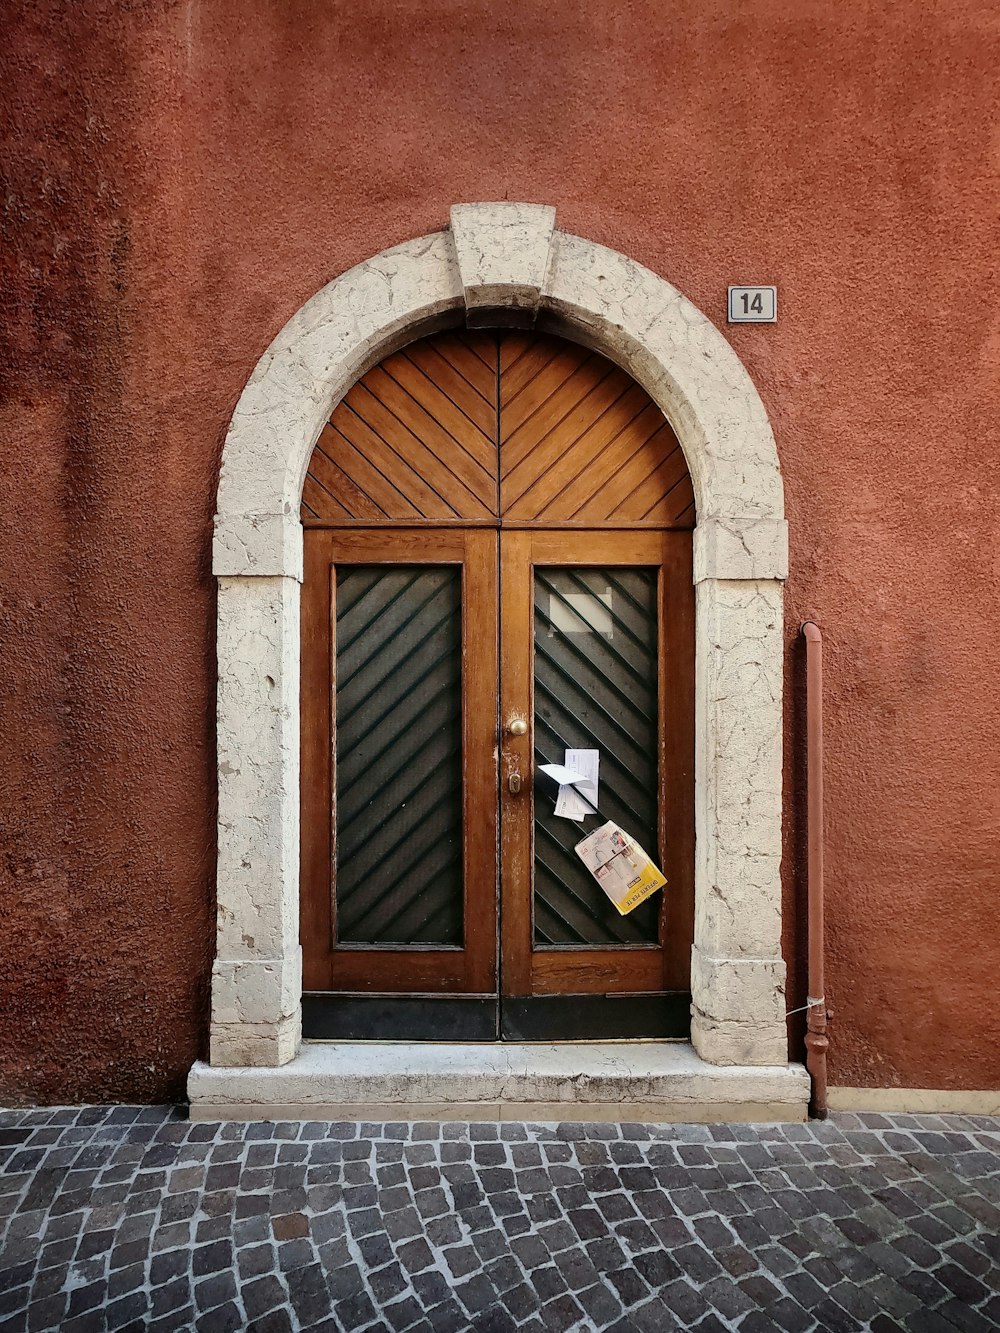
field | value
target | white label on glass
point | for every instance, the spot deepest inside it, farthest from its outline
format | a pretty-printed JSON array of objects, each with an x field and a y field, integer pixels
[{"x": 581, "y": 612}]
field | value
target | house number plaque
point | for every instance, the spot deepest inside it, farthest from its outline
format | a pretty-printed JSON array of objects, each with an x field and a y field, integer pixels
[{"x": 753, "y": 305}]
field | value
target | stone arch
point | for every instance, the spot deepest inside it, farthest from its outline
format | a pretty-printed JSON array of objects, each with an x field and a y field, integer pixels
[{"x": 503, "y": 264}]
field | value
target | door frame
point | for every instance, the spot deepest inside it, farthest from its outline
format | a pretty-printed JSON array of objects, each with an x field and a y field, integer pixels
[{"x": 503, "y": 264}]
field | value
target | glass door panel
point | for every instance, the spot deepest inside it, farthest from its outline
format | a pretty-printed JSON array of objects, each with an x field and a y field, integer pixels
[
  {"x": 595, "y": 688},
  {"x": 399, "y": 755}
]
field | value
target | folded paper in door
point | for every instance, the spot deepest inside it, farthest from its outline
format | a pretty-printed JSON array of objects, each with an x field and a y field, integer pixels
[
  {"x": 577, "y": 779},
  {"x": 620, "y": 866},
  {"x": 580, "y": 800}
]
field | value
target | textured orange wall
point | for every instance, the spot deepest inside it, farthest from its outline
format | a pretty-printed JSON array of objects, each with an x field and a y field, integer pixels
[{"x": 181, "y": 177}]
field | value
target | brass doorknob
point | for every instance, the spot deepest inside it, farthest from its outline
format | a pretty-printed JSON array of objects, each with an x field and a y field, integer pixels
[{"x": 518, "y": 727}]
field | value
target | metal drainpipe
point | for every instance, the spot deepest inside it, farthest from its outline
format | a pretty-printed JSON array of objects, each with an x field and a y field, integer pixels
[{"x": 817, "y": 1014}]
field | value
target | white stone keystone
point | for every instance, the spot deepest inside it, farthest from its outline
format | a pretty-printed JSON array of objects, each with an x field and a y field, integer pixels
[{"x": 503, "y": 255}]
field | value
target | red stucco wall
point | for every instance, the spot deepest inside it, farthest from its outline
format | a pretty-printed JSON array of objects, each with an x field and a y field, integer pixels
[{"x": 182, "y": 176}]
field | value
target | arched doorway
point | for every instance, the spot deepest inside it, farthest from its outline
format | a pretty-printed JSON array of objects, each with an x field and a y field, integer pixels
[
  {"x": 501, "y": 265},
  {"x": 497, "y": 576}
]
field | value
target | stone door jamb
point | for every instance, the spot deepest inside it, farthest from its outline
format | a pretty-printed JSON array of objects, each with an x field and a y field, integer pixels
[{"x": 503, "y": 264}]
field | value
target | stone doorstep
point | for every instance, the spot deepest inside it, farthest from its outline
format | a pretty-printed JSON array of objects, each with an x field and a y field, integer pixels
[{"x": 648, "y": 1082}]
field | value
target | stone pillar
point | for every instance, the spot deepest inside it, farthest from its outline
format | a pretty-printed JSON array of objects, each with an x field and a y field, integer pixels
[
  {"x": 257, "y": 976},
  {"x": 738, "y": 974}
]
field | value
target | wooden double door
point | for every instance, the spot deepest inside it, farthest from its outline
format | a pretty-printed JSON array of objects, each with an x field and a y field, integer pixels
[{"x": 448, "y": 653}]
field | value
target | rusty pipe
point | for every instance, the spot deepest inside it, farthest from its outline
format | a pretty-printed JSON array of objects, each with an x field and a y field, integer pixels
[{"x": 817, "y": 1015}]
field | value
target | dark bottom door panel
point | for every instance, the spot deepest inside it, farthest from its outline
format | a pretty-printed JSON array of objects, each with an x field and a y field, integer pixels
[
  {"x": 329, "y": 1017},
  {"x": 595, "y": 1017}
]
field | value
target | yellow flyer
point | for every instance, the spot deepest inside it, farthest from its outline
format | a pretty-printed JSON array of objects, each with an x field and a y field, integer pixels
[{"x": 620, "y": 866}]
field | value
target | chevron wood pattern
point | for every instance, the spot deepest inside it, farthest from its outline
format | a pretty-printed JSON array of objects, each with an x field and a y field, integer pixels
[
  {"x": 414, "y": 441},
  {"x": 515, "y": 429},
  {"x": 582, "y": 445}
]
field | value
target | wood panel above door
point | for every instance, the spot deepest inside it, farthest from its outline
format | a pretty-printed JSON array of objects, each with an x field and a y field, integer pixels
[
  {"x": 414, "y": 441},
  {"x": 583, "y": 445},
  {"x": 497, "y": 429}
]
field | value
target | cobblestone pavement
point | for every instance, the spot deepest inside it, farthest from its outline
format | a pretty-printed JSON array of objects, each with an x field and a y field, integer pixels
[{"x": 133, "y": 1218}]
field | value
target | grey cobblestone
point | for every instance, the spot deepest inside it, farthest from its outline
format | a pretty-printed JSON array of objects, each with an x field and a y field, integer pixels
[{"x": 132, "y": 1218}]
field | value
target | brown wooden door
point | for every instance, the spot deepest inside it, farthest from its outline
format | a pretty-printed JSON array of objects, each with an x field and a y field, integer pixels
[
  {"x": 595, "y": 630},
  {"x": 497, "y": 527},
  {"x": 399, "y": 809}
]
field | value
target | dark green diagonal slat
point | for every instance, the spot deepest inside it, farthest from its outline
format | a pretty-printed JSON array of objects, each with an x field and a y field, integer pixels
[
  {"x": 596, "y": 658},
  {"x": 399, "y": 755}
]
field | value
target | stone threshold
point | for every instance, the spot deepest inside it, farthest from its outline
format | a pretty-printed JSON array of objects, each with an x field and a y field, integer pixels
[{"x": 648, "y": 1082}]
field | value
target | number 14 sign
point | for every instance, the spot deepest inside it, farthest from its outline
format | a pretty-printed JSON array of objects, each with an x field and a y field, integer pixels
[{"x": 753, "y": 305}]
